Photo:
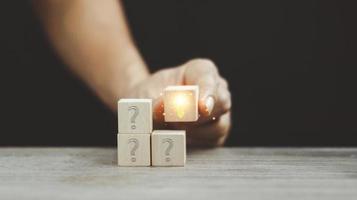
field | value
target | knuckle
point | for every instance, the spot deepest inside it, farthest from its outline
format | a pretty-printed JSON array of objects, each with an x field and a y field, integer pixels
[
  {"x": 222, "y": 129},
  {"x": 204, "y": 64},
  {"x": 228, "y": 102},
  {"x": 224, "y": 83},
  {"x": 225, "y": 101}
]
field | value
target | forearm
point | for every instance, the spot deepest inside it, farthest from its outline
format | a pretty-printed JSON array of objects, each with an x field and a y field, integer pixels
[{"x": 93, "y": 39}]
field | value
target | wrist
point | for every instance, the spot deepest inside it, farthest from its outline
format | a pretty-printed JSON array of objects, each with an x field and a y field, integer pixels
[{"x": 121, "y": 83}]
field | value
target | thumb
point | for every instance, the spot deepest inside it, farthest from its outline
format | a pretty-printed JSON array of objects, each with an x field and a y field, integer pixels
[
  {"x": 203, "y": 72},
  {"x": 207, "y": 97}
]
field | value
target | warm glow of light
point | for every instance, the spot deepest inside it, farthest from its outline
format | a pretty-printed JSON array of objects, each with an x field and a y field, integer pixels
[{"x": 180, "y": 102}]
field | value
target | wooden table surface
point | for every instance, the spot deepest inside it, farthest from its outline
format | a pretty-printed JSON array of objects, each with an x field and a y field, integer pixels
[{"x": 223, "y": 173}]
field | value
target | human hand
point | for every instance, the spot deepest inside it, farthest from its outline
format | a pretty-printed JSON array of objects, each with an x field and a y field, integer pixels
[{"x": 214, "y": 104}]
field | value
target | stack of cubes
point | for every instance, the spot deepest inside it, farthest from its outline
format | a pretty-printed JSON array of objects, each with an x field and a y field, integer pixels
[{"x": 139, "y": 145}]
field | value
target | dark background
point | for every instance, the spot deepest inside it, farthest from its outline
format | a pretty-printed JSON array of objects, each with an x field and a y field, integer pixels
[{"x": 291, "y": 66}]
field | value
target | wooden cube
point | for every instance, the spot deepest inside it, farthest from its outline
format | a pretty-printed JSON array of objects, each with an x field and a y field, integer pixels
[
  {"x": 181, "y": 103},
  {"x": 135, "y": 116},
  {"x": 168, "y": 147},
  {"x": 134, "y": 149}
]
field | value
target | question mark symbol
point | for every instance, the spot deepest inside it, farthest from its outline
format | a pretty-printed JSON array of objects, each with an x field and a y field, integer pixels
[
  {"x": 133, "y": 117},
  {"x": 135, "y": 147},
  {"x": 169, "y": 147}
]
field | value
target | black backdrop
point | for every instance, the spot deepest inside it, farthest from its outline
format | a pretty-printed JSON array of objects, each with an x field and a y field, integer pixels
[{"x": 290, "y": 65}]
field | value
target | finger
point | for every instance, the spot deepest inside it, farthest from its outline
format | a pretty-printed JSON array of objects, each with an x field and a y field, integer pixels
[
  {"x": 224, "y": 82},
  {"x": 211, "y": 131},
  {"x": 224, "y": 102},
  {"x": 203, "y": 72},
  {"x": 205, "y": 143},
  {"x": 222, "y": 105}
]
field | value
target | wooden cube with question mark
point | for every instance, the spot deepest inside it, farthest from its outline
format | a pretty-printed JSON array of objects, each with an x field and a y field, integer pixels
[
  {"x": 168, "y": 147},
  {"x": 135, "y": 116},
  {"x": 134, "y": 149},
  {"x": 181, "y": 103}
]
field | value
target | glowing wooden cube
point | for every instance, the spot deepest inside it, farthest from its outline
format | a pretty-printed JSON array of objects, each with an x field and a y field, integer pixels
[{"x": 181, "y": 103}]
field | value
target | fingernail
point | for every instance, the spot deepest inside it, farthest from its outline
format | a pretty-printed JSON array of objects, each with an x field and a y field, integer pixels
[{"x": 209, "y": 104}]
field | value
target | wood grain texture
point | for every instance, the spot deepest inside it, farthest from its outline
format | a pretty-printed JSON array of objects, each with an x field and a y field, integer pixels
[
  {"x": 134, "y": 149},
  {"x": 224, "y": 173},
  {"x": 168, "y": 147},
  {"x": 135, "y": 116}
]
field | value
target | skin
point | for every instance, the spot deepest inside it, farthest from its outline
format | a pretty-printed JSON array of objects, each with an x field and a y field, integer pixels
[{"x": 93, "y": 39}]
